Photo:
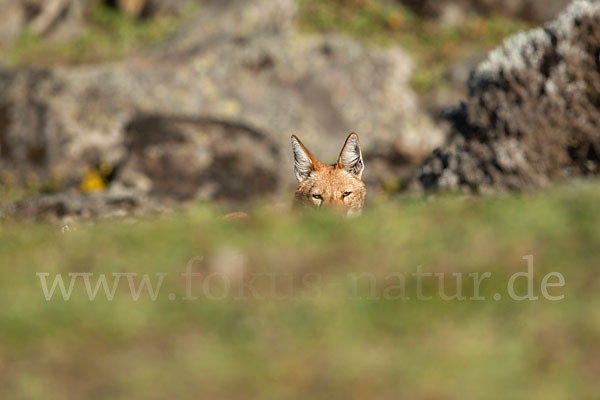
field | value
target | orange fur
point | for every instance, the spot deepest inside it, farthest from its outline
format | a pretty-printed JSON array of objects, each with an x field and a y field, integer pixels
[{"x": 337, "y": 186}]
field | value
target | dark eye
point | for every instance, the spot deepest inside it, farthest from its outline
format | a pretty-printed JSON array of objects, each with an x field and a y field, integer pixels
[
  {"x": 317, "y": 196},
  {"x": 346, "y": 194}
]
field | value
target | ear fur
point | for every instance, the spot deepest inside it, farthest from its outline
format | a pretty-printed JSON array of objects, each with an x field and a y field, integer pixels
[
  {"x": 351, "y": 157},
  {"x": 304, "y": 161}
]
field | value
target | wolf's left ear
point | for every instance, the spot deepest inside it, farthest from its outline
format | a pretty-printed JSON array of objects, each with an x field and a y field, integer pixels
[{"x": 351, "y": 157}]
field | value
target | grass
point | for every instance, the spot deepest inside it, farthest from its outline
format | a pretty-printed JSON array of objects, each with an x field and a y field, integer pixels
[
  {"x": 109, "y": 35},
  {"x": 434, "y": 46},
  {"x": 313, "y": 307}
]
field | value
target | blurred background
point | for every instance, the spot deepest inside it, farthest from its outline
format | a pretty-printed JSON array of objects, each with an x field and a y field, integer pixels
[
  {"x": 176, "y": 100},
  {"x": 133, "y": 126}
]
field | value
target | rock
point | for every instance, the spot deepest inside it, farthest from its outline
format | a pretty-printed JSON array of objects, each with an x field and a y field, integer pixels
[
  {"x": 532, "y": 114},
  {"x": 183, "y": 159},
  {"x": 52, "y": 19},
  {"x": 437, "y": 101},
  {"x": 237, "y": 68},
  {"x": 69, "y": 206},
  {"x": 460, "y": 72},
  {"x": 151, "y": 8},
  {"x": 454, "y": 11},
  {"x": 165, "y": 7},
  {"x": 12, "y": 20}
]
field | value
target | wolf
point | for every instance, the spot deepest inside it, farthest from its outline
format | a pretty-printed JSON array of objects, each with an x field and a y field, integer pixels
[{"x": 338, "y": 186}]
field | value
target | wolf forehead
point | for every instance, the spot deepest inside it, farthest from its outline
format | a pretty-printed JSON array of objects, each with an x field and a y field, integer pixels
[{"x": 330, "y": 176}]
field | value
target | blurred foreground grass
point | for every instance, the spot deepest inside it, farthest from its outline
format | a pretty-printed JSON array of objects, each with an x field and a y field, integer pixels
[{"x": 311, "y": 308}]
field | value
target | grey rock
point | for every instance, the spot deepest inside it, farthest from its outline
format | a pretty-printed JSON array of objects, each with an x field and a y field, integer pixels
[
  {"x": 53, "y": 19},
  {"x": 12, "y": 21},
  {"x": 177, "y": 159},
  {"x": 69, "y": 206}
]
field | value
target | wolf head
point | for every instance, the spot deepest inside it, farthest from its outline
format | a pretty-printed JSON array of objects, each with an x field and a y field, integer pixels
[{"x": 337, "y": 186}]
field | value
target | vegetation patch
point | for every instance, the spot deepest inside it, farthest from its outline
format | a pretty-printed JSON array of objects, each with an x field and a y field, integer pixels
[
  {"x": 434, "y": 46},
  {"x": 310, "y": 306},
  {"x": 109, "y": 35}
]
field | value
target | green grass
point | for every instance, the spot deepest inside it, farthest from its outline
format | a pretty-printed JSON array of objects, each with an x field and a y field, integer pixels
[
  {"x": 315, "y": 313},
  {"x": 110, "y": 35},
  {"x": 434, "y": 46}
]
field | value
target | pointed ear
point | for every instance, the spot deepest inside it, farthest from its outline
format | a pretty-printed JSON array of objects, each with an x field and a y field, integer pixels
[
  {"x": 303, "y": 160},
  {"x": 351, "y": 157}
]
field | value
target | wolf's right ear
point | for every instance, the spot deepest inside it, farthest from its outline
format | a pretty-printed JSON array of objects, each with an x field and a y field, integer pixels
[{"x": 303, "y": 160}]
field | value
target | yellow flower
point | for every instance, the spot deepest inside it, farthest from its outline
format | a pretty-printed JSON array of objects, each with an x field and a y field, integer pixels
[{"x": 92, "y": 181}]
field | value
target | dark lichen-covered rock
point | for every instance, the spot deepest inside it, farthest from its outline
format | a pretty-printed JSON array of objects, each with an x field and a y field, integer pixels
[{"x": 533, "y": 113}]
